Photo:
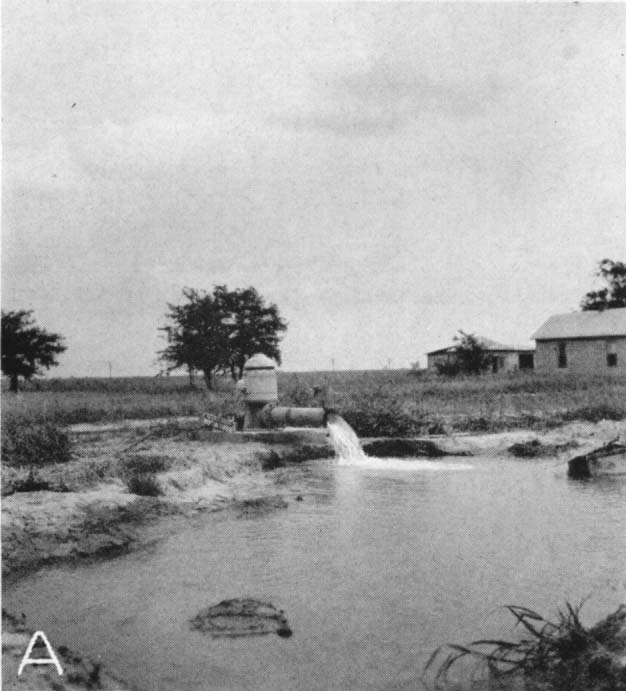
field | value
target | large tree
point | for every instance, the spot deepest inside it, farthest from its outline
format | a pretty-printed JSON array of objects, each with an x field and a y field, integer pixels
[
  {"x": 218, "y": 332},
  {"x": 614, "y": 294},
  {"x": 26, "y": 349}
]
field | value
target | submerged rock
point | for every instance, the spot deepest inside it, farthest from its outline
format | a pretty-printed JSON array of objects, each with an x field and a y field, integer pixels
[
  {"x": 241, "y": 617},
  {"x": 253, "y": 508},
  {"x": 609, "y": 459}
]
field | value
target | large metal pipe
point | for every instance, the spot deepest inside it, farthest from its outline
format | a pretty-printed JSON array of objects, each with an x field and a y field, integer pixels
[{"x": 284, "y": 416}]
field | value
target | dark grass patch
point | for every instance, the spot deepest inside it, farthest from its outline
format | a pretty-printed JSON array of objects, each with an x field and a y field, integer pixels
[
  {"x": 144, "y": 484},
  {"x": 35, "y": 445},
  {"x": 537, "y": 449}
]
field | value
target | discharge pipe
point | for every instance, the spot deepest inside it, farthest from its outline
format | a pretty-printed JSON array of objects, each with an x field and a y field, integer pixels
[{"x": 284, "y": 416}]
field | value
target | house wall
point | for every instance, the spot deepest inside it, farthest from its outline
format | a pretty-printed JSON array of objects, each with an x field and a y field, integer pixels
[
  {"x": 433, "y": 360},
  {"x": 508, "y": 361},
  {"x": 583, "y": 355}
]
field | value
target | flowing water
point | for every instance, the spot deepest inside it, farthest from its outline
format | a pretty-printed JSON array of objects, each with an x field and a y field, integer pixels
[
  {"x": 374, "y": 569},
  {"x": 345, "y": 442}
]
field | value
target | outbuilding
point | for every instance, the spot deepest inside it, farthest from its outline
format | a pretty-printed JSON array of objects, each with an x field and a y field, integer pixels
[
  {"x": 504, "y": 358},
  {"x": 593, "y": 341}
]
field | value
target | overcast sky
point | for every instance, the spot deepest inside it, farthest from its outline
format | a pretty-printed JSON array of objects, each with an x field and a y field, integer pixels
[{"x": 386, "y": 173}]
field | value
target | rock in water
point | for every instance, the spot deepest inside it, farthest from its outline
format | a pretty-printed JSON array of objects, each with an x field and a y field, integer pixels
[{"x": 242, "y": 617}]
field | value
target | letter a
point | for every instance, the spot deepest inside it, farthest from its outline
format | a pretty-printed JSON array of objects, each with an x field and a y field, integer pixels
[{"x": 28, "y": 660}]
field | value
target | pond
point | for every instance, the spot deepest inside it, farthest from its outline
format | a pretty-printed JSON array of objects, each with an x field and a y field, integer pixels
[{"x": 376, "y": 567}]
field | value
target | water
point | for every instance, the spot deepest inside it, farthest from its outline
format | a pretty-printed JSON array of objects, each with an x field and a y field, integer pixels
[
  {"x": 345, "y": 441},
  {"x": 349, "y": 452},
  {"x": 375, "y": 568}
]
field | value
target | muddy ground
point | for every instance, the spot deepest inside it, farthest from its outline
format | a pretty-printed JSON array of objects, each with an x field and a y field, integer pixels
[{"x": 89, "y": 511}]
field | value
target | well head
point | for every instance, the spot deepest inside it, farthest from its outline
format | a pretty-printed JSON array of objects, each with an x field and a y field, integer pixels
[{"x": 260, "y": 379}]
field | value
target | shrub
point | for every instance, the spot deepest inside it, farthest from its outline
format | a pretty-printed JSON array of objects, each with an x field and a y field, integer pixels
[
  {"x": 26, "y": 444},
  {"x": 144, "y": 484},
  {"x": 139, "y": 473},
  {"x": 136, "y": 464},
  {"x": 448, "y": 369},
  {"x": 379, "y": 415}
]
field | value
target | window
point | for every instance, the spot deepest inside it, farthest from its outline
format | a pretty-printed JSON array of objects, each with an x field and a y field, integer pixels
[
  {"x": 526, "y": 361},
  {"x": 562, "y": 355},
  {"x": 611, "y": 354}
]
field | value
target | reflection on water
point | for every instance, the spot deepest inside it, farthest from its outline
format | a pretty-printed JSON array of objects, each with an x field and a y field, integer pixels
[{"x": 374, "y": 569}]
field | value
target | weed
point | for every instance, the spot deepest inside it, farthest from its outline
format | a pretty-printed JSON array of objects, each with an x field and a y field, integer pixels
[{"x": 554, "y": 656}]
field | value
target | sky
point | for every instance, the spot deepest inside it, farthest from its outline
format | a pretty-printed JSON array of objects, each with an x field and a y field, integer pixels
[{"x": 387, "y": 174}]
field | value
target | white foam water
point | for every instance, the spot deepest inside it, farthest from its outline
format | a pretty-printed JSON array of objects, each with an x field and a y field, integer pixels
[
  {"x": 345, "y": 442},
  {"x": 350, "y": 453}
]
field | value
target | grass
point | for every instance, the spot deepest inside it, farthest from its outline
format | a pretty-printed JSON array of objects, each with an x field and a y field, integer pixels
[
  {"x": 34, "y": 445},
  {"x": 562, "y": 655},
  {"x": 375, "y": 403}
]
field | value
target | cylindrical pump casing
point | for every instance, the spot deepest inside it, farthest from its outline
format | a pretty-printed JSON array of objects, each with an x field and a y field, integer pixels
[
  {"x": 283, "y": 416},
  {"x": 260, "y": 379}
]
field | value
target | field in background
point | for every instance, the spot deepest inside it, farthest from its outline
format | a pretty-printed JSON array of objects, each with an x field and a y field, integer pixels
[{"x": 375, "y": 402}]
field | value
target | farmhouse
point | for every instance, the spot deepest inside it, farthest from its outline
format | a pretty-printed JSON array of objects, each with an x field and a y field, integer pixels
[
  {"x": 591, "y": 341},
  {"x": 505, "y": 358}
]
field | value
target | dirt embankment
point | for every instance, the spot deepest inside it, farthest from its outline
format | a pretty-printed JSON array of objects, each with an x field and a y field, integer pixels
[{"x": 95, "y": 513}]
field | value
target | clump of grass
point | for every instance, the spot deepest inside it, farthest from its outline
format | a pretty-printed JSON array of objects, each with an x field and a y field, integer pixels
[
  {"x": 554, "y": 656},
  {"x": 134, "y": 464},
  {"x": 34, "y": 446},
  {"x": 144, "y": 484},
  {"x": 139, "y": 473}
]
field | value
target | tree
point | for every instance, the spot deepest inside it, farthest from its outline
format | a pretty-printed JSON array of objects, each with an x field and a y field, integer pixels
[
  {"x": 26, "y": 349},
  {"x": 254, "y": 327},
  {"x": 218, "y": 332},
  {"x": 614, "y": 295},
  {"x": 473, "y": 357}
]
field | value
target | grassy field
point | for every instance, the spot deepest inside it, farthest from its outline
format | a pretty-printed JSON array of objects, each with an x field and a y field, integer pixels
[{"x": 383, "y": 402}]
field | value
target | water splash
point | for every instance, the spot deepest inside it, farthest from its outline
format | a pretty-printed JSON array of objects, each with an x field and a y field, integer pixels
[
  {"x": 344, "y": 440},
  {"x": 349, "y": 452}
]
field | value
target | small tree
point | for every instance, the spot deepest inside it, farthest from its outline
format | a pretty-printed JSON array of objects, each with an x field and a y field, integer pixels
[
  {"x": 614, "y": 295},
  {"x": 26, "y": 349},
  {"x": 472, "y": 356}
]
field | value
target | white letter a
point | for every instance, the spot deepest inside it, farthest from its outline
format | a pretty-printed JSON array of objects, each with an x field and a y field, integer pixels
[{"x": 27, "y": 660}]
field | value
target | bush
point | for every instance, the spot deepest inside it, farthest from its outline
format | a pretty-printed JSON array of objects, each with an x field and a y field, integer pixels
[
  {"x": 448, "y": 369},
  {"x": 139, "y": 473},
  {"x": 379, "y": 414},
  {"x": 136, "y": 464},
  {"x": 144, "y": 484},
  {"x": 25, "y": 444}
]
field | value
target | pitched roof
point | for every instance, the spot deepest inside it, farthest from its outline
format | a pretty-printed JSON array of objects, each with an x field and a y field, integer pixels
[
  {"x": 592, "y": 324},
  {"x": 487, "y": 344}
]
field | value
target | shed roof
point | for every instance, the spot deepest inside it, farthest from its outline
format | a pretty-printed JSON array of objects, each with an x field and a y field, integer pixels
[
  {"x": 591, "y": 324},
  {"x": 487, "y": 344}
]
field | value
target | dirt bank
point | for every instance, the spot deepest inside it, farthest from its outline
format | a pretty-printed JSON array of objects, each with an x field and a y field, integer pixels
[{"x": 94, "y": 513}]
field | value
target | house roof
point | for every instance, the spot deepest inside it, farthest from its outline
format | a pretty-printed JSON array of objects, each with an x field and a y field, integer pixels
[
  {"x": 487, "y": 344},
  {"x": 591, "y": 324}
]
